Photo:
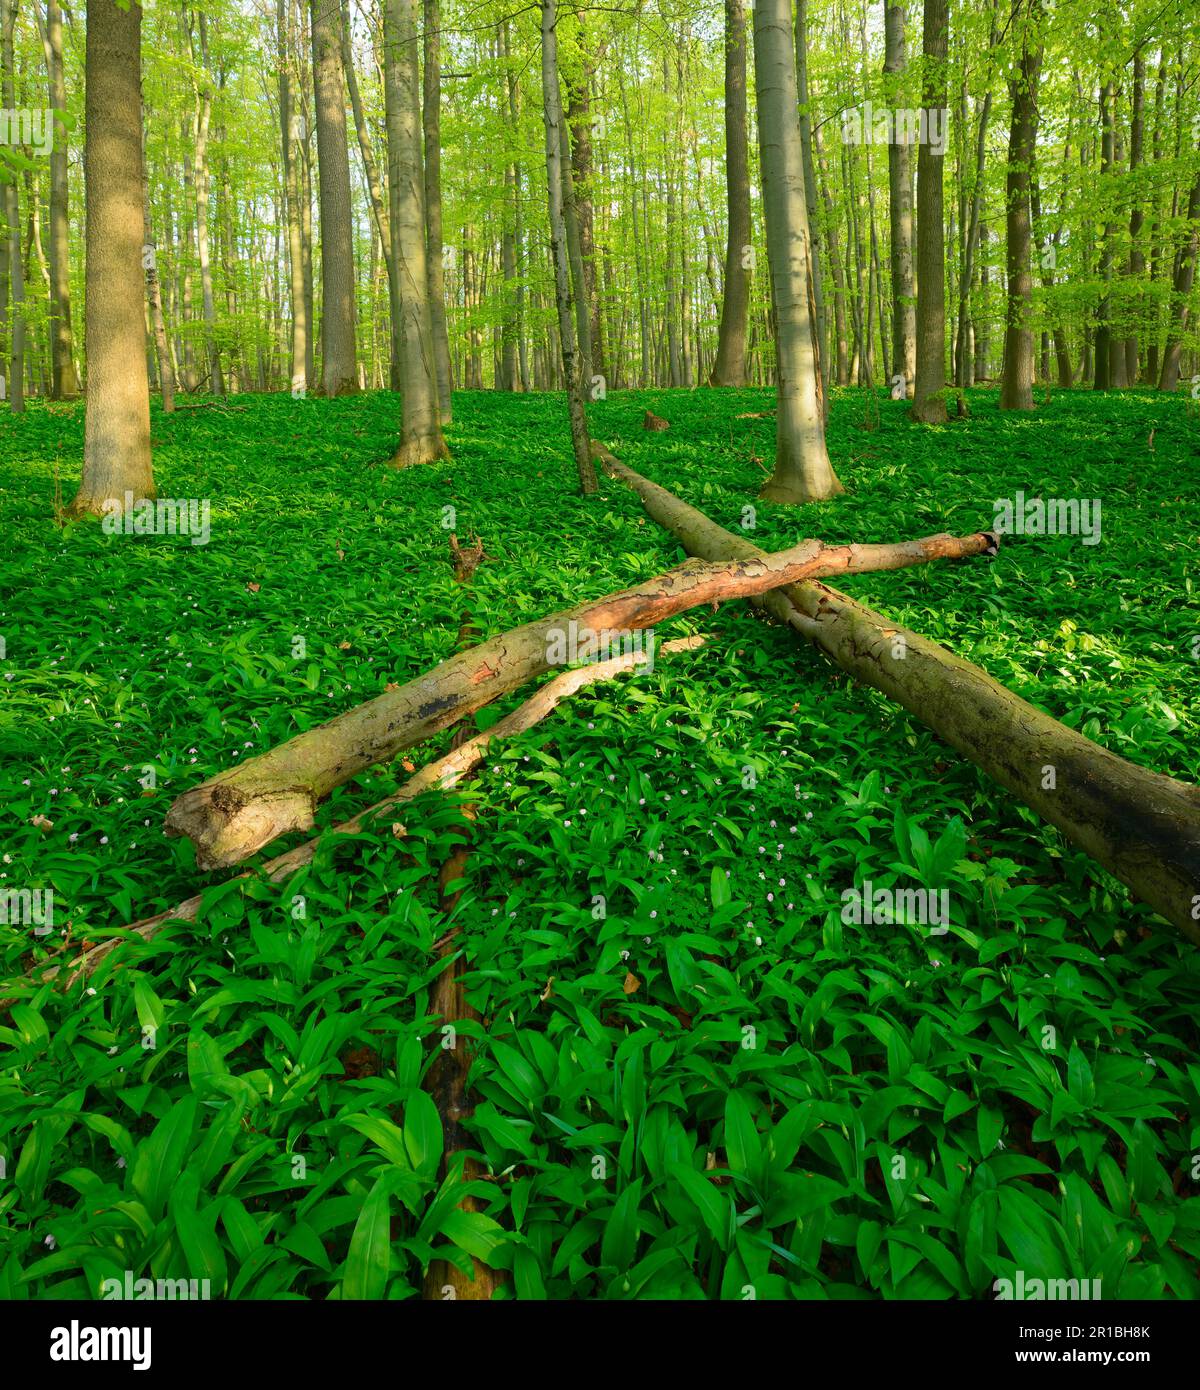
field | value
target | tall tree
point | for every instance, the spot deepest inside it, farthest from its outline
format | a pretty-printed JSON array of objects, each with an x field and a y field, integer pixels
[
  {"x": 1185, "y": 278},
  {"x": 338, "y": 372},
  {"x": 421, "y": 431},
  {"x": 572, "y": 371},
  {"x": 803, "y": 472},
  {"x": 64, "y": 382},
  {"x": 300, "y": 374},
  {"x": 929, "y": 405},
  {"x": 729, "y": 366},
  {"x": 900, "y": 204},
  {"x": 1016, "y": 386},
  {"x": 12, "y": 212},
  {"x": 116, "y": 440},
  {"x": 432, "y": 125}
]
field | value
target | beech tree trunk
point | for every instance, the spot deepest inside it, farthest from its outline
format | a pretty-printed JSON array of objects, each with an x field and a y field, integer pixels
[
  {"x": 431, "y": 116},
  {"x": 64, "y": 383},
  {"x": 900, "y": 200},
  {"x": 803, "y": 472},
  {"x": 339, "y": 375},
  {"x": 421, "y": 431},
  {"x": 1103, "y": 365},
  {"x": 1185, "y": 275},
  {"x": 12, "y": 212},
  {"x": 929, "y": 405},
  {"x": 116, "y": 441},
  {"x": 1016, "y": 387},
  {"x": 1141, "y": 826},
  {"x": 289, "y": 135},
  {"x": 572, "y": 368}
]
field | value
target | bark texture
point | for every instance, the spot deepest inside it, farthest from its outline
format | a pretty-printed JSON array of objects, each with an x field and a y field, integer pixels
[{"x": 116, "y": 445}]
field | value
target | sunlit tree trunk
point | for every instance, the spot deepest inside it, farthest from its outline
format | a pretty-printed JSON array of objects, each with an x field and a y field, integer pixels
[
  {"x": 338, "y": 372},
  {"x": 1016, "y": 387},
  {"x": 116, "y": 447},
  {"x": 421, "y": 431},
  {"x": 929, "y": 405},
  {"x": 803, "y": 472},
  {"x": 553, "y": 117}
]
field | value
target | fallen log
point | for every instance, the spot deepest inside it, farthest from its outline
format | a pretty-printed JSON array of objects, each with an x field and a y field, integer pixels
[
  {"x": 244, "y": 808},
  {"x": 1142, "y": 826},
  {"x": 443, "y": 774}
]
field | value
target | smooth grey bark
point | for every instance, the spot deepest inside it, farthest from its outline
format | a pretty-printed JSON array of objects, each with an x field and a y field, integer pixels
[
  {"x": 1185, "y": 275},
  {"x": 929, "y": 405},
  {"x": 339, "y": 375},
  {"x": 116, "y": 442},
  {"x": 900, "y": 201},
  {"x": 1103, "y": 340},
  {"x": 300, "y": 375},
  {"x": 421, "y": 431},
  {"x": 803, "y": 472},
  {"x": 729, "y": 367},
  {"x": 1016, "y": 386},
  {"x": 64, "y": 382},
  {"x": 553, "y": 119},
  {"x": 812, "y": 201},
  {"x": 431, "y": 119},
  {"x": 12, "y": 211}
]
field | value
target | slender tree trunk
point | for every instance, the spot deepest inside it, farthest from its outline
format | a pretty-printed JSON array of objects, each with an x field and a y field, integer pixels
[
  {"x": 1137, "y": 259},
  {"x": 729, "y": 368},
  {"x": 1185, "y": 274},
  {"x": 1016, "y": 387},
  {"x": 293, "y": 194},
  {"x": 900, "y": 189},
  {"x": 434, "y": 261},
  {"x": 1103, "y": 364},
  {"x": 166, "y": 374},
  {"x": 421, "y": 432},
  {"x": 579, "y": 124},
  {"x": 64, "y": 384},
  {"x": 553, "y": 115},
  {"x": 12, "y": 211},
  {"x": 812, "y": 202},
  {"x": 116, "y": 448},
  {"x": 803, "y": 472},
  {"x": 203, "y": 117},
  {"x": 929, "y": 406},
  {"x": 339, "y": 375},
  {"x": 379, "y": 208}
]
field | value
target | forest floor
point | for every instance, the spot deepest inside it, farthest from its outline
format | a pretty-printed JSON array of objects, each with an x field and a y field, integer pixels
[{"x": 883, "y": 1111}]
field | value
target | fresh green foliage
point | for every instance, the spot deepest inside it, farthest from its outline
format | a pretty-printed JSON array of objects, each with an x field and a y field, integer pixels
[{"x": 716, "y": 1087}]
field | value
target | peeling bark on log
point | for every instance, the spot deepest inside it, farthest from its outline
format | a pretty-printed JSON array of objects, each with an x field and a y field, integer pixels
[
  {"x": 443, "y": 774},
  {"x": 1142, "y": 826},
  {"x": 242, "y": 809}
]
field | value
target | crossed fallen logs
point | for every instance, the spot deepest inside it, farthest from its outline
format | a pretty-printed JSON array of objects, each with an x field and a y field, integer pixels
[{"x": 1142, "y": 826}]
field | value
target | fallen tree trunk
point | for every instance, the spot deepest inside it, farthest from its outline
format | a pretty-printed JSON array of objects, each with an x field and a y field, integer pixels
[
  {"x": 443, "y": 774},
  {"x": 1142, "y": 826},
  {"x": 244, "y": 808}
]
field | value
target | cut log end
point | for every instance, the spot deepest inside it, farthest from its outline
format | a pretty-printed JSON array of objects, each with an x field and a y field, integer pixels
[{"x": 227, "y": 826}]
